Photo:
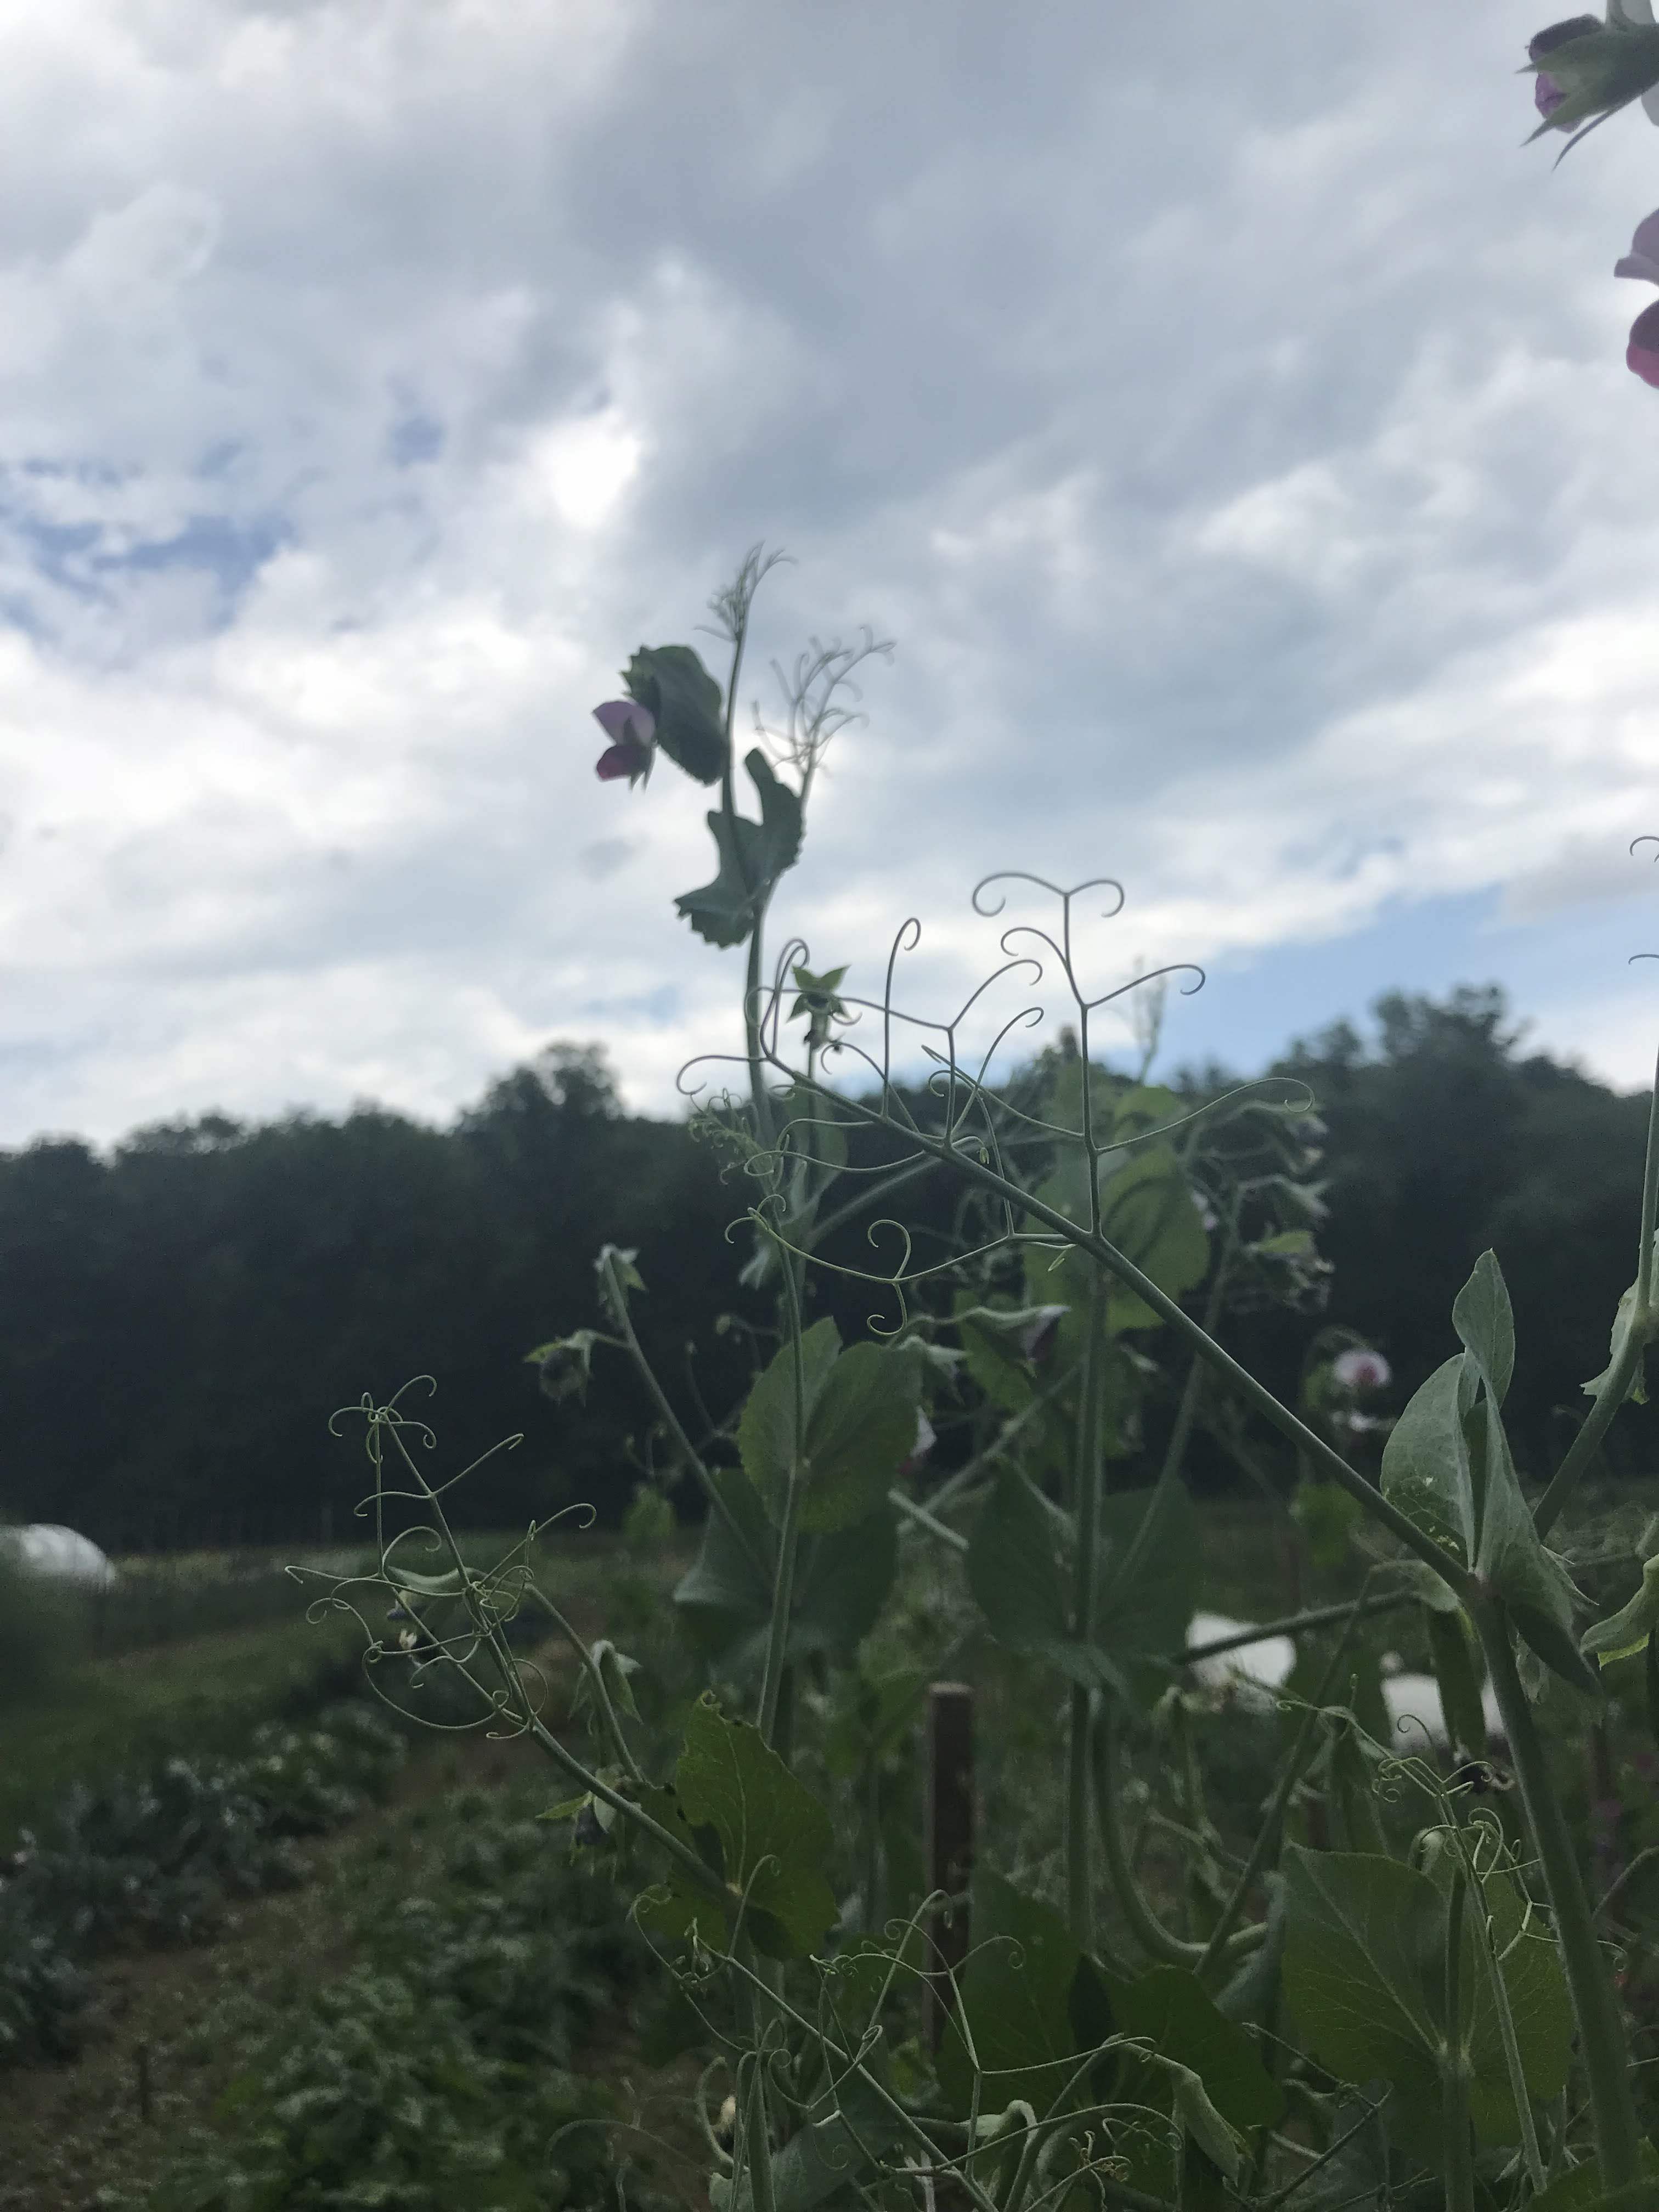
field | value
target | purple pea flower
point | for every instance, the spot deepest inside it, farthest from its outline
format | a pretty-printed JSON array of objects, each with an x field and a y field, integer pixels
[
  {"x": 1642, "y": 355},
  {"x": 632, "y": 730},
  {"x": 1547, "y": 94},
  {"x": 1643, "y": 259}
]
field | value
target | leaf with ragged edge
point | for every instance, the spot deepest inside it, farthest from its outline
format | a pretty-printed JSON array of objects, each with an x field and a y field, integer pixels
[
  {"x": 1626, "y": 1631},
  {"x": 1539, "y": 2006},
  {"x": 766, "y": 1432},
  {"x": 773, "y": 1834},
  {"x": 684, "y": 701},
  {"x": 1016, "y": 1994},
  {"x": 752, "y": 856},
  {"x": 1425, "y": 1469}
]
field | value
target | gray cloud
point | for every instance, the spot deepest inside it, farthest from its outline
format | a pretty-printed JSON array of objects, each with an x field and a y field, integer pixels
[{"x": 1231, "y": 429}]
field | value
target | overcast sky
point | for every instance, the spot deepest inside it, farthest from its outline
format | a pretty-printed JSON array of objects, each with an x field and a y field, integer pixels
[{"x": 1225, "y": 417}]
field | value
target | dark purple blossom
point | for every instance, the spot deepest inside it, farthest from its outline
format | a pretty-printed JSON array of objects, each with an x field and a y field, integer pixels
[
  {"x": 632, "y": 730},
  {"x": 1643, "y": 352}
]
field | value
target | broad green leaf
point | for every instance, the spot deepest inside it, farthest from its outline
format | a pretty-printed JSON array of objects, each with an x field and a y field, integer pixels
[
  {"x": 1580, "y": 2189},
  {"x": 1365, "y": 1947},
  {"x": 1016, "y": 1995},
  {"x": 1170, "y": 2007},
  {"x": 1531, "y": 1580},
  {"x": 1425, "y": 1470},
  {"x": 684, "y": 701},
  {"x": 1013, "y": 1570},
  {"x": 861, "y": 1431},
  {"x": 841, "y": 1581},
  {"x": 1456, "y": 1656},
  {"x": 1149, "y": 1214},
  {"x": 861, "y": 1414},
  {"x": 752, "y": 856},
  {"x": 1203, "y": 2123},
  {"x": 1020, "y": 1572},
  {"x": 774, "y": 1835},
  {"x": 766, "y": 1430},
  {"x": 1483, "y": 1320},
  {"x": 844, "y": 2135},
  {"x": 725, "y": 1595},
  {"x": 1363, "y": 1972},
  {"x": 1327, "y": 1517},
  {"x": 1626, "y": 1631},
  {"x": 1147, "y": 1580},
  {"x": 841, "y": 1584},
  {"x": 998, "y": 1341}
]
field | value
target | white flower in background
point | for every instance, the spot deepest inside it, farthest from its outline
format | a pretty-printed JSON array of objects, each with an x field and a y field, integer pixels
[{"x": 1361, "y": 1369}]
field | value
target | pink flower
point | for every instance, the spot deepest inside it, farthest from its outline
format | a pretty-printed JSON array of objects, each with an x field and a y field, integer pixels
[
  {"x": 1643, "y": 259},
  {"x": 1547, "y": 94},
  {"x": 632, "y": 730},
  {"x": 1358, "y": 1369},
  {"x": 1643, "y": 352}
]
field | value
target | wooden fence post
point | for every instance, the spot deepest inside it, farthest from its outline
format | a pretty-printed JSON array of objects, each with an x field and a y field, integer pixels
[{"x": 949, "y": 1836}]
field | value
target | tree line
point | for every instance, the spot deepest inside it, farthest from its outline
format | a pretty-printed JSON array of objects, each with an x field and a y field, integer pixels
[{"x": 181, "y": 1315}]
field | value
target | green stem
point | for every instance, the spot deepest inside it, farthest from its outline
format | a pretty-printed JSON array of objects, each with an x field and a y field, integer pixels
[
  {"x": 1318, "y": 1616},
  {"x": 1454, "y": 2061},
  {"x": 671, "y": 1421},
  {"x": 1615, "y": 1387},
  {"x": 1594, "y": 2003},
  {"x": 783, "y": 1587},
  {"x": 1268, "y": 1835},
  {"x": 1086, "y": 1479},
  {"x": 1148, "y": 1930}
]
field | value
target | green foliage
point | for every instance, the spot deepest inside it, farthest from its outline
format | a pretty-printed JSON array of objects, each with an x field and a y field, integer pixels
[
  {"x": 752, "y": 856},
  {"x": 770, "y": 1838},
  {"x": 684, "y": 701},
  {"x": 1363, "y": 1972}
]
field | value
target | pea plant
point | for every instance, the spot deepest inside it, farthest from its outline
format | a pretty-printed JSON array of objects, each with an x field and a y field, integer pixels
[{"x": 1376, "y": 1976}]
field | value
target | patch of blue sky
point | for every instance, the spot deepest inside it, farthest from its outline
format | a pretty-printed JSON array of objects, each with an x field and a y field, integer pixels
[
  {"x": 1253, "y": 1006},
  {"x": 415, "y": 438}
]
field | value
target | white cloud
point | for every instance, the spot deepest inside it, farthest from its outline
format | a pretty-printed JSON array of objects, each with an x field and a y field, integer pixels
[{"x": 1236, "y": 441}]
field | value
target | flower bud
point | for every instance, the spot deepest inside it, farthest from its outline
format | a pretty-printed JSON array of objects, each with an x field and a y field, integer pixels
[
  {"x": 1641, "y": 353},
  {"x": 1596, "y": 69}
]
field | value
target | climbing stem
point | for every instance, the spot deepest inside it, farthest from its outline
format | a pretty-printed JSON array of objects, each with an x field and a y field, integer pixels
[
  {"x": 1086, "y": 1477},
  {"x": 1595, "y": 2002}
]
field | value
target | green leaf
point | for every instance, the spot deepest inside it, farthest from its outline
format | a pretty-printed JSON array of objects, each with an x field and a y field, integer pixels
[
  {"x": 1016, "y": 1994},
  {"x": 841, "y": 1581},
  {"x": 860, "y": 1408},
  {"x": 1363, "y": 1972},
  {"x": 1483, "y": 1320},
  {"x": 774, "y": 1835},
  {"x": 1425, "y": 1469},
  {"x": 1365, "y": 1947},
  {"x": 1012, "y": 1568},
  {"x": 752, "y": 856},
  {"x": 862, "y": 1430},
  {"x": 1580, "y": 2189},
  {"x": 1455, "y": 1656},
  {"x": 725, "y": 1595},
  {"x": 1148, "y": 1213},
  {"x": 684, "y": 701},
  {"x": 996, "y": 1339},
  {"x": 1143, "y": 1588},
  {"x": 1170, "y": 2007},
  {"x": 1627, "y": 1631},
  {"x": 1638, "y": 1392},
  {"x": 766, "y": 1432}
]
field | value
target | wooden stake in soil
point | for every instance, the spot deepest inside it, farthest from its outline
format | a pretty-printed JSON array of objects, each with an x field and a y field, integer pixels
[{"x": 950, "y": 1836}]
